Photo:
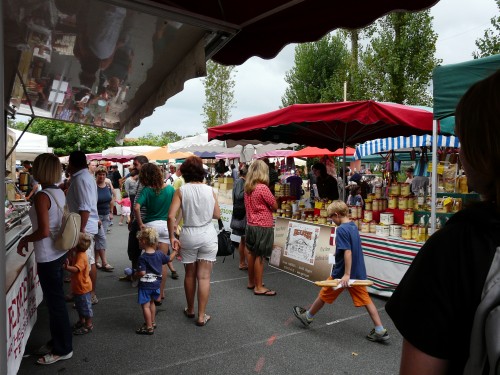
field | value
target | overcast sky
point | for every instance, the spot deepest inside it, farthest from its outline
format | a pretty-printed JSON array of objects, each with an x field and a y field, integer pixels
[{"x": 260, "y": 83}]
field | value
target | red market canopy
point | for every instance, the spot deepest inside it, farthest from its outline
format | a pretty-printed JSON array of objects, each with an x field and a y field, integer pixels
[
  {"x": 311, "y": 152},
  {"x": 329, "y": 125}
]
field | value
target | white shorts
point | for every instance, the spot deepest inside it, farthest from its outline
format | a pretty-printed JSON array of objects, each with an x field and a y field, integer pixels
[
  {"x": 161, "y": 228},
  {"x": 198, "y": 243},
  {"x": 90, "y": 250},
  {"x": 125, "y": 211}
]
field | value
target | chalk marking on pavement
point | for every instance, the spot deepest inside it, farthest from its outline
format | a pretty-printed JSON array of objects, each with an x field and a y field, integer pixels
[
  {"x": 181, "y": 286},
  {"x": 245, "y": 346}
]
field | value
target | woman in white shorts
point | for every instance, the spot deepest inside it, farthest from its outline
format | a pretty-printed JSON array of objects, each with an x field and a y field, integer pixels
[
  {"x": 157, "y": 199},
  {"x": 197, "y": 244}
]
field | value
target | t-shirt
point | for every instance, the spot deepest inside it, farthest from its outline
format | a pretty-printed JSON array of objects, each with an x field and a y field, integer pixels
[
  {"x": 258, "y": 206},
  {"x": 80, "y": 281},
  {"x": 347, "y": 238},
  {"x": 115, "y": 179},
  {"x": 295, "y": 186},
  {"x": 156, "y": 205},
  {"x": 434, "y": 304},
  {"x": 103, "y": 199},
  {"x": 178, "y": 182},
  {"x": 327, "y": 187},
  {"x": 151, "y": 263}
]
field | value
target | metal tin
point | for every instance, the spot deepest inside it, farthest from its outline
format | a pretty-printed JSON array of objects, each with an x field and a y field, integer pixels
[
  {"x": 387, "y": 218},
  {"x": 409, "y": 217},
  {"x": 353, "y": 212},
  {"x": 395, "y": 189},
  {"x": 405, "y": 189},
  {"x": 373, "y": 226},
  {"x": 368, "y": 205},
  {"x": 382, "y": 230},
  {"x": 403, "y": 203},
  {"x": 395, "y": 230},
  {"x": 375, "y": 205},
  {"x": 406, "y": 232},
  {"x": 368, "y": 216},
  {"x": 378, "y": 192},
  {"x": 414, "y": 232},
  {"x": 365, "y": 227},
  {"x": 393, "y": 201}
]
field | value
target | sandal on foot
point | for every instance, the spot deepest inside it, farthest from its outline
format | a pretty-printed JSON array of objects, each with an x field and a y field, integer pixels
[
  {"x": 243, "y": 268},
  {"x": 188, "y": 315},
  {"x": 267, "y": 293},
  {"x": 83, "y": 330},
  {"x": 44, "y": 349},
  {"x": 206, "y": 319},
  {"x": 158, "y": 303},
  {"x": 78, "y": 325},
  {"x": 108, "y": 267},
  {"x": 50, "y": 358},
  {"x": 145, "y": 330},
  {"x": 98, "y": 265}
]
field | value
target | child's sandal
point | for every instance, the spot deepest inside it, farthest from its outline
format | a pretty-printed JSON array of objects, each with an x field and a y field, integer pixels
[{"x": 145, "y": 330}]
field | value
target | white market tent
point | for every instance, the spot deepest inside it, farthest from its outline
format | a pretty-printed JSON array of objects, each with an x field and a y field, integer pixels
[
  {"x": 129, "y": 150},
  {"x": 30, "y": 145}
]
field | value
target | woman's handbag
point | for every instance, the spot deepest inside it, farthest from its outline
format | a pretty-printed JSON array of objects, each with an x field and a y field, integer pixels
[{"x": 225, "y": 244}]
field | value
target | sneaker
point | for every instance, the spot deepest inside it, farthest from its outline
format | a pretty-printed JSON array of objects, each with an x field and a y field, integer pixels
[
  {"x": 374, "y": 336},
  {"x": 300, "y": 314}
]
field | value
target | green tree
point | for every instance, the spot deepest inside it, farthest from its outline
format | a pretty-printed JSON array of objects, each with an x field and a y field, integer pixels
[
  {"x": 397, "y": 64},
  {"x": 489, "y": 44},
  {"x": 319, "y": 72},
  {"x": 151, "y": 139},
  {"x": 66, "y": 137},
  {"x": 219, "y": 94}
]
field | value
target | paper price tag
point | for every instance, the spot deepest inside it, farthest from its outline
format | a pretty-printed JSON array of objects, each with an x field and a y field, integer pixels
[{"x": 331, "y": 258}]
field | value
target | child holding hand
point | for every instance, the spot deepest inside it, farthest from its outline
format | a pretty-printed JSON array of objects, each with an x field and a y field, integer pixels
[
  {"x": 349, "y": 264},
  {"x": 126, "y": 207},
  {"x": 149, "y": 271},
  {"x": 81, "y": 285}
]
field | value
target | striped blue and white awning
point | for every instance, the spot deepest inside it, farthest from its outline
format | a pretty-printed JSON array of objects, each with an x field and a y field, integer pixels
[{"x": 398, "y": 143}]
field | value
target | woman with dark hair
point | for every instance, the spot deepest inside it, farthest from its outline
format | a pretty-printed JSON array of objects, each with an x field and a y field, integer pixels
[
  {"x": 239, "y": 216},
  {"x": 326, "y": 184},
  {"x": 46, "y": 218},
  {"x": 156, "y": 198},
  {"x": 197, "y": 244}
]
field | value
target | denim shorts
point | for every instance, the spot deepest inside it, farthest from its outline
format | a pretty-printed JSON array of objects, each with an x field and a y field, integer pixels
[
  {"x": 83, "y": 305},
  {"x": 147, "y": 295}
]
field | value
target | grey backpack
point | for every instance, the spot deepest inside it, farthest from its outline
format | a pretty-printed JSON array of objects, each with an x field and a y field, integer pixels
[{"x": 484, "y": 357}]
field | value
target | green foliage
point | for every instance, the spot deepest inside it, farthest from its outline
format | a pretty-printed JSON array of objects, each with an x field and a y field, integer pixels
[
  {"x": 219, "y": 94},
  {"x": 489, "y": 44},
  {"x": 151, "y": 139},
  {"x": 397, "y": 64},
  {"x": 319, "y": 72},
  {"x": 65, "y": 137}
]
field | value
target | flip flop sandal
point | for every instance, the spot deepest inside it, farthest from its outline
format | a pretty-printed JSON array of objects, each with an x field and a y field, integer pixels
[
  {"x": 108, "y": 267},
  {"x": 83, "y": 330},
  {"x": 188, "y": 315},
  {"x": 206, "y": 319},
  {"x": 158, "y": 303},
  {"x": 145, "y": 330},
  {"x": 50, "y": 358},
  {"x": 267, "y": 293},
  {"x": 98, "y": 266}
]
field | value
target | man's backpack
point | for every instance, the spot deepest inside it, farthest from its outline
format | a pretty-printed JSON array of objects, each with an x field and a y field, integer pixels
[
  {"x": 67, "y": 236},
  {"x": 484, "y": 357}
]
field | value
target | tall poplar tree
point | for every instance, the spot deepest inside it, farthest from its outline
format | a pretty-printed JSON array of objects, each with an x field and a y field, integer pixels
[{"x": 219, "y": 94}]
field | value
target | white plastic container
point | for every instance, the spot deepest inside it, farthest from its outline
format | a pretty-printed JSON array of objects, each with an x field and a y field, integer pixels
[
  {"x": 382, "y": 230},
  {"x": 387, "y": 218}
]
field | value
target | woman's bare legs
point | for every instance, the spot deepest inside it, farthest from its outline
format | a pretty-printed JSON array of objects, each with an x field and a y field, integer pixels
[
  {"x": 164, "y": 249},
  {"x": 241, "y": 251},
  {"x": 203, "y": 272},
  {"x": 190, "y": 285}
]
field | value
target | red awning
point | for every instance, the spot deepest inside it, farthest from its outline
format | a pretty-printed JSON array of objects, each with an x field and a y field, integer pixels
[
  {"x": 311, "y": 152},
  {"x": 329, "y": 125}
]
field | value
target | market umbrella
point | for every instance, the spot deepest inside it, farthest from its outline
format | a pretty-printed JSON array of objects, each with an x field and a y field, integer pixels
[
  {"x": 329, "y": 125},
  {"x": 163, "y": 155},
  {"x": 311, "y": 152}
]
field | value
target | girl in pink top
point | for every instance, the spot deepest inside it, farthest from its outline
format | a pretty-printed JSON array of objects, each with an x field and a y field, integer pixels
[
  {"x": 126, "y": 207},
  {"x": 259, "y": 204}
]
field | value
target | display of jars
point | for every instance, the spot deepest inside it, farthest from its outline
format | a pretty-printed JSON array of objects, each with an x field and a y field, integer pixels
[
  {"x": 393, "y": 202},
  {"x": 409, "y": 217},
  {"x": 405, "y": 189},
  {"x": 402, "y": 203}
]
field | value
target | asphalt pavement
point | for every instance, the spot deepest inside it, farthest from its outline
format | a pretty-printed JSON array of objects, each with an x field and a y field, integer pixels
[{"x": 247, "y": 334}]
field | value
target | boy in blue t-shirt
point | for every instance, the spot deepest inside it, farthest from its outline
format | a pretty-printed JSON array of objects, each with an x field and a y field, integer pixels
[
  {"x": 349, "y": 265},
  {"x": 149, "y": 273}
]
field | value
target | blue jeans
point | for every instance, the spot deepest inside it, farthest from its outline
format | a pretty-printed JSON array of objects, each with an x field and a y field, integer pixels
[{"x": 51, "y": 280}]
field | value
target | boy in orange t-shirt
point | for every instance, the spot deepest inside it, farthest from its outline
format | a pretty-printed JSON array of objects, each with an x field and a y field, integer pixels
[{"x": 81, "y": 286}]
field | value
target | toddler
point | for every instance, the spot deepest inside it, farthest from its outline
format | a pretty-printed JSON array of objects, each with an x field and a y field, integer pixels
[{"x": 126, "y": 207}]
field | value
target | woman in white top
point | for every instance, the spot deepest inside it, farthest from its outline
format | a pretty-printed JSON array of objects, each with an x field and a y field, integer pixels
[
  {"x": 46, "y": 218},
  {"x": 197, "y": 244}
]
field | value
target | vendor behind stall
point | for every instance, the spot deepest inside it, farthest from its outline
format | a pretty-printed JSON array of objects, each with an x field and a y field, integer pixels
[
  {"x": 32, "y": 184},
  {"x": 326, "y": 184}
]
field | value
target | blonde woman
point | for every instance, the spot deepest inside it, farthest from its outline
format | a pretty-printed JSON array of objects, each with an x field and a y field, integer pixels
[
  {"x": 259, "y": 205},
  {"x": 46, "y": 217}
]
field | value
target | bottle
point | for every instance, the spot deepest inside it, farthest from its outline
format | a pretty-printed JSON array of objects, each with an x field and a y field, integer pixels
[
  {"x": 429, "y": 228},
  {"x": 422, "y": 230}
]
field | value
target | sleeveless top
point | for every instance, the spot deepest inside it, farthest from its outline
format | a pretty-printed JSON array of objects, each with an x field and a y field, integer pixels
[
  {"x": 44, "y": 249},
  {"x": 197, "y": 205}
]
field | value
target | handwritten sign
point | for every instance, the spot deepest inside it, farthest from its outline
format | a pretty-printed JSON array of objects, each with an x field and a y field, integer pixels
[{"x": 22, "y": 300}]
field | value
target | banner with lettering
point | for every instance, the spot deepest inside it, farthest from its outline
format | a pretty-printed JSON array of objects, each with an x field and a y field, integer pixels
[
  {"x": 22, "y": 300},
  {"x": 303, "y": 249}
]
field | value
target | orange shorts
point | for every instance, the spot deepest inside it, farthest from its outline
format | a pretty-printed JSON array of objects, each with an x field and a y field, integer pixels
[{"x": 359, "y": 294}]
